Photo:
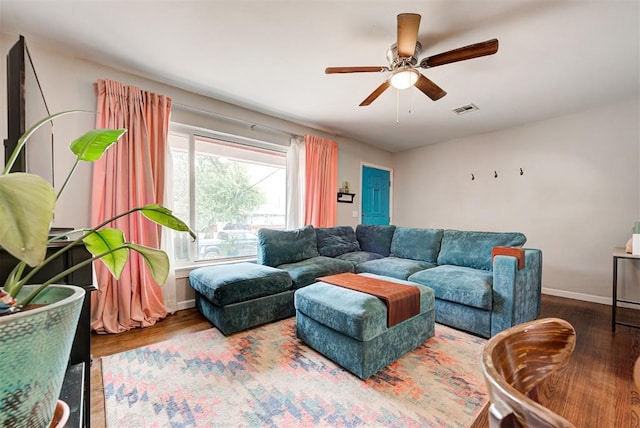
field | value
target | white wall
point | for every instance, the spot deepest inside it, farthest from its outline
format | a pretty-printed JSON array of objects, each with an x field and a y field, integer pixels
[
  {"x": 68, "y": 84},
  {"x": 578, "y": 197}
]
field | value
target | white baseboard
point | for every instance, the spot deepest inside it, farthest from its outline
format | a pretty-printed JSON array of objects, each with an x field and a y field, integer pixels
[
  {"x": 187, "y": 304},
  {"x": 577, "y": 296}
]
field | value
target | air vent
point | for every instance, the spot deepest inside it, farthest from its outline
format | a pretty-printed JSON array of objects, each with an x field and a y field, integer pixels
[{"x": 465, "y": 109}]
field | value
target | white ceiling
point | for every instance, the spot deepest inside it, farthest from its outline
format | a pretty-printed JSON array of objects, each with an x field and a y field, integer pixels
[{"x": 555, "y": 57}]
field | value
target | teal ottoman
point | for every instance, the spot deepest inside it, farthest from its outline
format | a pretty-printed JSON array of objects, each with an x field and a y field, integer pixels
[
  {"x": 350, "y": 327},
  {"x": 238, "y": 296}
]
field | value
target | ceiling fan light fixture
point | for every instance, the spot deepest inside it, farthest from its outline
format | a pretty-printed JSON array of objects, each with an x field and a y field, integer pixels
[
  {"x": 403, "y": 55},
  {"x": 404, "y": 78}
]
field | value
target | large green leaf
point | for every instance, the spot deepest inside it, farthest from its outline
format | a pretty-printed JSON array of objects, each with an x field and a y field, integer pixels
[
  {"x": 26, "y": 210},
  {"x": 165, "y": 217},
  {"x": 157, "y": 261},
  {"x": 109, "y": 241},
  {"x": 92, "y": 145}
]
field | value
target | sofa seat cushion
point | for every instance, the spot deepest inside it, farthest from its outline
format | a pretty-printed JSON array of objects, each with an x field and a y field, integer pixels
[
  {"x": 417, "y": 244},
  {"x": 334, "y": 241},
  {"x": 276, "y": 247},
  {"x": 394, "y": 267},
  {"x": 467, "y": 286},
  {"x": 305, "y": 272},
  {"x": 357, "y": 257},
  {"x": 375, "y": 238},
  {"x": 238, "y": 282},
  {"x": 473, "y": 249},
  {"x": 352, "y": 313}
]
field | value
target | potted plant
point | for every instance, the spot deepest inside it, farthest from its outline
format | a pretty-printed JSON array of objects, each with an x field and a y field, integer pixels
[{"x": 35, "y": 343}]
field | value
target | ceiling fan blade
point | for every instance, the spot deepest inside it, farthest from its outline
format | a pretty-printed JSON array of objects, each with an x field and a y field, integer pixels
[
  {"x": 375, "y": 94},
  {"x": 333, "y": 70},
  {"x": 429, "y": 88},
  {"x": 408, "y": 24},
  {"x": 467, "y": 52}
]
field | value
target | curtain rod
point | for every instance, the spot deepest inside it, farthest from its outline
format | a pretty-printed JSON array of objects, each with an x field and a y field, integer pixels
[{"x": 252, "y": 125}]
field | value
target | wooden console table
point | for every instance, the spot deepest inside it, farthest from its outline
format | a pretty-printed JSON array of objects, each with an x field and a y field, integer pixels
[{"x": 620, "y": 253}]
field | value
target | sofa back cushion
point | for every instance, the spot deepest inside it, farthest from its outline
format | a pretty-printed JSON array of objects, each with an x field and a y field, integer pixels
[
  {"x": 473, "y": 249},
  {"x": 277, "y": 247},
  {"x": 417, "y": 244},
  {"x": 375, "y": 238},
  {"x": 335, "y": 241}
]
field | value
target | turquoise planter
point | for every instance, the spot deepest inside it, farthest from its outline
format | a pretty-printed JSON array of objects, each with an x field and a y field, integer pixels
[{"x": 34, "y": 353}]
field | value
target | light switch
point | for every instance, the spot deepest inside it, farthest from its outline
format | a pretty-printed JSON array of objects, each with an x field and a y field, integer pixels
[{"x": 355, "y": 214}]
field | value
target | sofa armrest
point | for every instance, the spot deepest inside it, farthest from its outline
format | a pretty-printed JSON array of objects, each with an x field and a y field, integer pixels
[{"x": 516, "y": 293}]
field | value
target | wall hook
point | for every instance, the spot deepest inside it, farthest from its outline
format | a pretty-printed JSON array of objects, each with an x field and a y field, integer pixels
[
  {"x": 473, "y": 177},
  {"x": 495, "y": 174},
  {"x": 521, "y": 171}
]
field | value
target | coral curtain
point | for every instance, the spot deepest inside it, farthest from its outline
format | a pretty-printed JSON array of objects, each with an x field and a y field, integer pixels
[
  {"x": 130, "y": 174},
  {"x": 321, "y": 181}
]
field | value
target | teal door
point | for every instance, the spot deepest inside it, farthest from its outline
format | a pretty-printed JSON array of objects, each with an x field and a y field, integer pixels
[{"x": 376, "y": 184}]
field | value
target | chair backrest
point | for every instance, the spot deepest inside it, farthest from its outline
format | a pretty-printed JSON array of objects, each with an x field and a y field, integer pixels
[
  {"x": 515, "y": 361},
  {"x": 636, "y": 373}
]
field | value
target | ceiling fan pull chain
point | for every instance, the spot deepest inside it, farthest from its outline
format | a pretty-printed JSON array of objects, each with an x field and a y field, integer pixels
[{"x": 397, "y": 106}]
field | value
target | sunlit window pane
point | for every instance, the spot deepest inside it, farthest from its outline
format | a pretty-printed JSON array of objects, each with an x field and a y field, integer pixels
[
  {"x": 238, "y": 190},
  {"x": 180, "y": 190}
]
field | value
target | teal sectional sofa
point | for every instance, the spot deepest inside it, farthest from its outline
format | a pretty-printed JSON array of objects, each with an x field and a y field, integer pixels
[{"x": 472, "y": 292}]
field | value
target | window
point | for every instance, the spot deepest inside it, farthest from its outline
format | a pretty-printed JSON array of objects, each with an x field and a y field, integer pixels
[{"x": 227, "y": 188}]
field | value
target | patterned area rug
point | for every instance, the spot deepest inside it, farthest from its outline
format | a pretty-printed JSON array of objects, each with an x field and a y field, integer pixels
[{"x": 267, "y": 377}]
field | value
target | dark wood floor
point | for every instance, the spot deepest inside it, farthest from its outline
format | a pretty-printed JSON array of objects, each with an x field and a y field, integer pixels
[{"x": 595, "y": 390}]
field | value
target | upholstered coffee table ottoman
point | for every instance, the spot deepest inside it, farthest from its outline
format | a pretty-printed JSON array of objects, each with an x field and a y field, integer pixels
[
  {"x": 238, "y": 296},
  {"x": 350, "y": 327}
]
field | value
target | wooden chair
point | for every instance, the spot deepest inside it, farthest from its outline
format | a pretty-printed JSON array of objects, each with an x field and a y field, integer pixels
[
  {"x": 515, "y": 361},
  {"x": 636, "y": 373}
]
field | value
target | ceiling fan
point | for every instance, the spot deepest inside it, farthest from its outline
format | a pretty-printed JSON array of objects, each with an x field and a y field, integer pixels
[{"x": 403, "y": 61}]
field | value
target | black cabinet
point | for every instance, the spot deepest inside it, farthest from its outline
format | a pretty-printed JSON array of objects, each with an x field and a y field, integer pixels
[
  {"x": 73, "y": 394},
  {"x": 83, "y": 277}
]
